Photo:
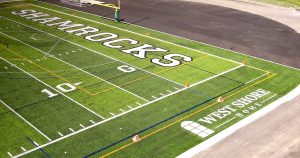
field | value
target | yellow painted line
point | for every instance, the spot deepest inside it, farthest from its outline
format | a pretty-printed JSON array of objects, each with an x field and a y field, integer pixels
[
  {"x": 17, "y": 59},
  {"x": 190, "y": 115}
]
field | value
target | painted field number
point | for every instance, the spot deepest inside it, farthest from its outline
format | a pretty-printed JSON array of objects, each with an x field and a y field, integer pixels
[
  {"x": 50, "y": 94},
  {"x": 64, "y": 87},
  {"x": 126, "y": 68}
]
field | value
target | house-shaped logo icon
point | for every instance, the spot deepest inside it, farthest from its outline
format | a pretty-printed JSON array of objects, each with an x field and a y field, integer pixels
[{"x": 196, "y": 128}]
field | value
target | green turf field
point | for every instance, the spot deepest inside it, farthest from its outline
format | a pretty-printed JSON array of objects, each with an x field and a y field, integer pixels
[{"x": 63, "y": 95}]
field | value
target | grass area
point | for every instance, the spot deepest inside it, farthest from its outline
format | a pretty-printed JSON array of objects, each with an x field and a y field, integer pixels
[
  {"x": 81, "y": 95},
  {"x": 285, "y": 3}
]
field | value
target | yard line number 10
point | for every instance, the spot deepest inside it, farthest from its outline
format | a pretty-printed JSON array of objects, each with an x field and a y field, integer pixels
[{"x": 64, "y": 87}]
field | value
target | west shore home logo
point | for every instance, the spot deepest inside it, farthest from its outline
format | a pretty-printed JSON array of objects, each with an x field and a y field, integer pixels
[
  {"x": 196, "y": 128},
  {"x": 107, "y": 39},
  {"x": 239, "y": 108}
]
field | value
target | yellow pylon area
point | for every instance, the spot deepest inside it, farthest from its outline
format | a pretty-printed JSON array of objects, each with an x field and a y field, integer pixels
[
  {"x": 269, "y": 74},
  {"x": 136, "y": 138},
  {"x": 245, "y": 62},
  {"x": 147, "y": 34},
  {"x": 220, "y": 100},
  {"x": 186, "y": 84}
]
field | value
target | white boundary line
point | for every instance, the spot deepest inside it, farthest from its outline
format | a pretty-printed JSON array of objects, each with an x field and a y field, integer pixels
[
  {"x": 121, "y": 114},
  {"x": 230, "y": 130},
  {"x": 76, "y": 67},
  {"x": 53, "y": 88},
  {"x": 26, "y": 120},
  {"x": 256, "y": 78},
  {"x": 172, "y": 35}
]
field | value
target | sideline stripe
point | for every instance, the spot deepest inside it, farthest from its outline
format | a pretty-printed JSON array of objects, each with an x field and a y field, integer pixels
[
  {"x": 25, "y": 120},
  {"x": 190, "y": 115},
  {"x": 54, "y": 89}
]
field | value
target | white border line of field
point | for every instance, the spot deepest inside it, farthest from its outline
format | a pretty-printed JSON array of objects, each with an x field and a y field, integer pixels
[
  {"x": 75, "y": 67},
  {"x": 121, "y": 114},
  {"x": 170, "y": 35},
  {"x": 96, "y": 52},
  {"x": 25, "y": 120},
  {"x": 230, "y": 130},
  {"x": 52, "y": 88}
]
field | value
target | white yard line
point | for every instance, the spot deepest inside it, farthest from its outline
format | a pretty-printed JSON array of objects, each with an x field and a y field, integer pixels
[
  {"x": 124, "y": 113},
  {"x": 176, "y": 88},
  {"x": 77, "y": 68},
  {"x": 23, "y": 148},
  {"x": 134, "y": 33},
  {"x": 97, "y": 52},
  {"x": 11, "y": 109},
  {"x": 256, "y": 78},
  {"x": 225, "y": 122},
  {"x": 216, "y": 75},
  {"x": 9, "y": 154},
  {"x": 54, "y": 89},
  {"x": 81, "y": 125},
  {"x": 72, "y": 130},
  {"x": 36, "y": 143},
  {"x": 60, "y": 134}
]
